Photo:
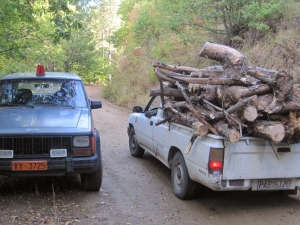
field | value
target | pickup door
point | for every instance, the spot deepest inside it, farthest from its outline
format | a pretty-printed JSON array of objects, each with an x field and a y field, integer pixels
[
  {"x": 157, "y": 139},
  {"x": 145, "y": 124}
]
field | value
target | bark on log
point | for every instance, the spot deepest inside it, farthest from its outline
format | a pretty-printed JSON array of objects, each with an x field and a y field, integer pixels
[
  {"x": 230, "y": 133},
  {"x": 211, "y": 81},
  {"x": 292, "y": 102},
  {"x": 233, "y": 94},
  {"x": 192, "y": 109},
  {"x": 234, "y": 63},
  {"x": 241, "y": 104},
  {"x": 177, "y": 69},
  {"x": 265, "y": 75},
  {"x": 270, "y": 130},
  {"x": 292, "y": 128},
  {"x": 166, "y": 92},
  {"x": 199, "y": 128},
  {"x": 163, "y": 75},
  {"x": 282, "y": 86}
]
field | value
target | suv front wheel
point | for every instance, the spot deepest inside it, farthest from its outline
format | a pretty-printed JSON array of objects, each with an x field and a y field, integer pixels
[{"x": 92, "y": 181}]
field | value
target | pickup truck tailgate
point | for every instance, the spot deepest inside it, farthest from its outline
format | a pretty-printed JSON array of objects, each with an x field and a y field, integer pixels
[{"x": 256, "y": 158}]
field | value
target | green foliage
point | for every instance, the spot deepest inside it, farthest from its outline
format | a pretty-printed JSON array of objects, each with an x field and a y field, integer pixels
[
  {"x": 263, "y": 14},
  {"x": 62, "y": 35}
]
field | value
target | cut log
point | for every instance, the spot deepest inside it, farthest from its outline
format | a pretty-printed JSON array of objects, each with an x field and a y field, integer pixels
[
  {"x": 265, "y": 75},
  {"x": 234, "y": 63},
  {"x": 233, "y": 94},
  {"x": 166, "y": 92},
  {"x": 198, "y": 127},
  {"x": 248, "y": 114},
  {"x": 292, "y": 128},
  {"x": 270, "y": 130},
  {"x": 177, "y": 69},
  {"x": 282, "y": 86},
  {"x": 230, "y": 133},
  {"x": 163, "y": 75},
  {"x": 211, "y": 81},
  {"x": 242, "y": 104},
  {"x": 192, "y": 109}
]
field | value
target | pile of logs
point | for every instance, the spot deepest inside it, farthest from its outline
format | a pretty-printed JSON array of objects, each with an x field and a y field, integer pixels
[{"x": 231, "y": 99}]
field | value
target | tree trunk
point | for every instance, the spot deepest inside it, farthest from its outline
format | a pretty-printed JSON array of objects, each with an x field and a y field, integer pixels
[
  {"x": 270, "y": 130},
  {"x": 230, "y": 133},
  {"x": 248, "y": 114},
  {"x": 166, "y": 92},
  {"x": 177, "y": 69},
  {"x": 233, "y": 94},
  {"x": 282, "y": 86},
  {"x": 234, "y": 63}
]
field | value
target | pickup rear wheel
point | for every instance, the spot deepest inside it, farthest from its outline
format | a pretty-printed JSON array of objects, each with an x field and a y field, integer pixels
[
  {"x": 183, "y": 186},
  {"x": 92, "y": 181},
  {"x": 135, "y": 150}
]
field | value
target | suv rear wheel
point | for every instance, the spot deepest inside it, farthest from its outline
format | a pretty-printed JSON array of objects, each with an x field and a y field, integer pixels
[{"x": 92, "y": 181}]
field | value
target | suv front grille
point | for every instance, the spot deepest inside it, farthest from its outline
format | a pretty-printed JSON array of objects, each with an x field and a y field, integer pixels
[{"x": 35, "y": 146}]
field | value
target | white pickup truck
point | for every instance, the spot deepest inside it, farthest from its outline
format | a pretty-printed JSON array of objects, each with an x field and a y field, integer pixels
[{"x": 250, "y": 164}]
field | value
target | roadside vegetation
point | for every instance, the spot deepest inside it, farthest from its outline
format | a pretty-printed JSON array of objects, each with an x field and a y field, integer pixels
[{"x": 114, "y": 42}]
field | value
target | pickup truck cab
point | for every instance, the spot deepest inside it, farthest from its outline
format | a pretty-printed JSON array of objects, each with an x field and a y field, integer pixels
[
  {"x": 250, "y": 164},
  {"x": 46, "y": 127}
]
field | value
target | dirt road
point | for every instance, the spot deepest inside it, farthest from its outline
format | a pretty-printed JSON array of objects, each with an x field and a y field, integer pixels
[{"x": 134, "y": 191}]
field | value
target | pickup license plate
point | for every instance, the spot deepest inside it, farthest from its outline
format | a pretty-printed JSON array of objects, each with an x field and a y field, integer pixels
[
  {"x": 29, "y": 165},
  {"x": 274, "y": 184}
]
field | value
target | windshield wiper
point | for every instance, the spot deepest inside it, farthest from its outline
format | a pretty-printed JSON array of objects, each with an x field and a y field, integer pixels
[{"x": 16, "y": 105}]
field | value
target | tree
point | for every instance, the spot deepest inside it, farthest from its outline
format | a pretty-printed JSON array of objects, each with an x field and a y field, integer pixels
[{"x": 20, "y": 23}]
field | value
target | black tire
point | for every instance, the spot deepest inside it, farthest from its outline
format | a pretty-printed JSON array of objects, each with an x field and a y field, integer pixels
[
  {"x": 183, "y": 186},
  {"x": 135, "y": 150},
  {"x": 92, "y": 181}
]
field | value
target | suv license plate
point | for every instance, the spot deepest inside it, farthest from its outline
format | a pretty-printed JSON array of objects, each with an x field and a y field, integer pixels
[
  {"x": 274, "y": 184},
  {"x": 29, "y": 165}
]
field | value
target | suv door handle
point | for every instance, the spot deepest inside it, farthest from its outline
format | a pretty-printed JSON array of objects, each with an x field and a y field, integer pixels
[{"x": 151, "y": 123}]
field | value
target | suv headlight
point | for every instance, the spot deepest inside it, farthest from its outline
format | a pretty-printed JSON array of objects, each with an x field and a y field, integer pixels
[{"x": 81, "y": 141}]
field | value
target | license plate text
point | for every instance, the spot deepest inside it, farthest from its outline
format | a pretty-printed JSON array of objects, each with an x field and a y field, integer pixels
[
  {"x": 28, "y": 166},
  {"x": 273, "y": 184}
]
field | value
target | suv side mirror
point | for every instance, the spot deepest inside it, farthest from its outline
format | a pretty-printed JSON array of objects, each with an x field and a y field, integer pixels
[
  {"x": 96, "y": 104},
  {"x": 137, "y": 109}
]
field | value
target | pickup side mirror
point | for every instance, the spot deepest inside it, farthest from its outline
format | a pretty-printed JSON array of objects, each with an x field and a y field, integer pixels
[
  {"x": 137, "y": 109},
  {"x": 96, "y": 104}
]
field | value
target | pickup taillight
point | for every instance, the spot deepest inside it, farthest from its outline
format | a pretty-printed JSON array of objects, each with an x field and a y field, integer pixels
[{"x": 215, "y": 162}]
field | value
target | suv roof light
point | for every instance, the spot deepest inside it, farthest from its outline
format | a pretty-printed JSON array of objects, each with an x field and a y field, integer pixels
[{"x": 40, "y": 70}]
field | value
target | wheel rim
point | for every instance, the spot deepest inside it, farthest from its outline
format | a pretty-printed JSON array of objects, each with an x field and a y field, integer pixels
[
  {"x": 178, "y": 176},
  {"x": 133, "y": 142}
]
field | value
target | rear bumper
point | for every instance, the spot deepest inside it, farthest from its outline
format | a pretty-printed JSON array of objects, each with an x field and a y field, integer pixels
[{"x": 56, "y": 167}]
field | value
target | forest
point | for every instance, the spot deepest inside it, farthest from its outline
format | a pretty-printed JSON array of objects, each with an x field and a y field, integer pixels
[{"x": 114, "y": 42}]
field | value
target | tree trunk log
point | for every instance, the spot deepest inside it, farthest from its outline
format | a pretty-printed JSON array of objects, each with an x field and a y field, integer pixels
[
  {"x": 166, "y": 92},
  {"x": 231, "y": 134},
  {"x": 248, "y": 114},
  {"x": 234, "y": 93},
  {"x": 234, "y": 63},
  {"x": 198, "y": 127},
  {"x": 177, "y": 69},
  {"x": 270, "y": 130},
  {"x": 282, "y": 86},
  {"x": 192, "y": 109}
]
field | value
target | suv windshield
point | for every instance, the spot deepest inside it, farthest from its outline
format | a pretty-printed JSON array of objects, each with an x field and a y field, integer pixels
[{"x": 63, "y": 92}]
